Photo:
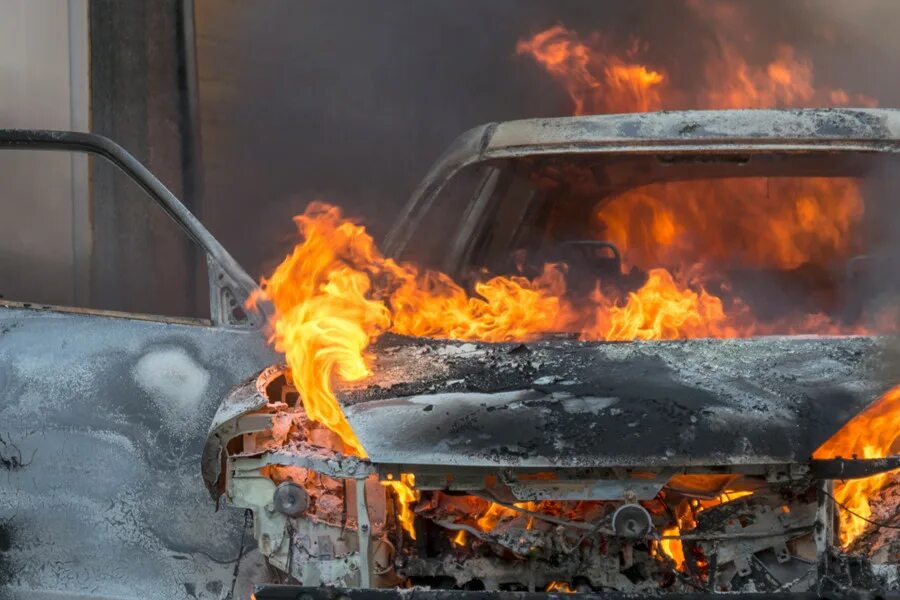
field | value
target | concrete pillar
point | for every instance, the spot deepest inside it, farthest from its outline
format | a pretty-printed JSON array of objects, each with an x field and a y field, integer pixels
[{"x": 142, "y": 95}]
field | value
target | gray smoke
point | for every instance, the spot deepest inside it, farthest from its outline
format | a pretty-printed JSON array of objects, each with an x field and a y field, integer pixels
[{"x": 350, "y": 102}]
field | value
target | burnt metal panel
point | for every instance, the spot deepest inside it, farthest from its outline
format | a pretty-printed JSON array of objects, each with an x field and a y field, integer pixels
[
  {"x": 794, "y": 129},
  {"x": 565, "y": 403},
  {"x": 102, "y": 423}
]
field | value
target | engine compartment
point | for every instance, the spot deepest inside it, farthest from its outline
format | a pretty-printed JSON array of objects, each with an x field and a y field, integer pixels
[{"x": 322, "y": 517}]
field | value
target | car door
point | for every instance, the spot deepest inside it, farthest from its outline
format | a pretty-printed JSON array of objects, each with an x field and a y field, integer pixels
[{"x": 103, "y": 417}]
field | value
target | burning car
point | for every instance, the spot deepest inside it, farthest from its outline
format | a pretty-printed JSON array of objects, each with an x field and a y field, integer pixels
[{"x": 688, "y": 383}]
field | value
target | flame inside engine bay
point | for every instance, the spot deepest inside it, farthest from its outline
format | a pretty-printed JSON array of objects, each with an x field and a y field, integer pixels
[
  {"x": 701, "y": 529},
  {"x": 438, "y": 530},
  {"x": 680, "y": 244},
  {"x": 874, "y": 433}
]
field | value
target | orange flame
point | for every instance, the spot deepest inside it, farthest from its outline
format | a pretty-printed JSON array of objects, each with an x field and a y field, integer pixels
[
  {"x": 685, "y": 515},
  {"x": 599, "y": 81},
  {"x": 560, "y": 587},
  {"x": 335, "y": 293},
  {"x": 406, "y": 495},
  {"x": 751, "y": 222},
  {"x": 497, "y": 512},
  {"x": 873, "y": 433},
  {"x": 660, "y": 310},
  {"x": 325, "y": 317},
  {"x": 596, "y": 81},
  {"x": 699, "y": 228},
  {"x": 674, "y": 549},
  {"x": 504, "y": 309}
]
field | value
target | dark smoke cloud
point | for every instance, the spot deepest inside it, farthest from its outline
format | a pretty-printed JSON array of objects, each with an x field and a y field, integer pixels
[{"x": 351, "y": 101}]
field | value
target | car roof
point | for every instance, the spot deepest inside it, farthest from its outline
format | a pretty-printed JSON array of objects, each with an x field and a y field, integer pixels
[
  {"x": 702, "y": 128},
  {"x": 669, "y": 132}
]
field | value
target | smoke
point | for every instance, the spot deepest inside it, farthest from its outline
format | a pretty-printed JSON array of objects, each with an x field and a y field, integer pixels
[{"x": 350, "y": 102}]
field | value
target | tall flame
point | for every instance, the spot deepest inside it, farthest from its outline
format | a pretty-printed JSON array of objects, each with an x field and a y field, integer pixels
[
  {"x": 672, "y": 548},
  {"x": 336, "y": 293},
  {"x": 406, "y": 496},
  {"x": 325, "y": 316},
  {"x": 873, "y": 433}
]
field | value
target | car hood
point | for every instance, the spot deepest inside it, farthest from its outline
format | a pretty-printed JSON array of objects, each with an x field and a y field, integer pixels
[
  {"x": 565, "y": 403},
  {"x": 561, "y": 403}
]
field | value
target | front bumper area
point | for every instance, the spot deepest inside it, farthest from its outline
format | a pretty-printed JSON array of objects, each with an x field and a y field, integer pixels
[{"x": 296, "y": 592}]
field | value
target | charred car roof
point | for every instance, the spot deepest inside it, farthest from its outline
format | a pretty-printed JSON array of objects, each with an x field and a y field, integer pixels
[{"x": 664, "y": 132}]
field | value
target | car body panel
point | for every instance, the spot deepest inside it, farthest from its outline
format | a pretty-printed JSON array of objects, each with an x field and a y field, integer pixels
[
  {"x": 103, "y": 420},
  {"x": 103, "y": 417},
  {"x": 570, "y": 404}
]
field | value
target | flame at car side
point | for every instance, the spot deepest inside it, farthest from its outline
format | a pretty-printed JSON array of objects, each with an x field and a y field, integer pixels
[{"x": 873, "y": 433}]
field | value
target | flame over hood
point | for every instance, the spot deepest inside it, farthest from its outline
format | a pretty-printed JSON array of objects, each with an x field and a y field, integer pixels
[
  {"x": 873, "y": 433},
  {"x": 336, "y": 293}
]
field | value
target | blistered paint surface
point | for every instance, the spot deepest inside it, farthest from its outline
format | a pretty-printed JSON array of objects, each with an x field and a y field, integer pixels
[
  {"x": 564, "y": 403},
  {"x": 109, "y": 417}
]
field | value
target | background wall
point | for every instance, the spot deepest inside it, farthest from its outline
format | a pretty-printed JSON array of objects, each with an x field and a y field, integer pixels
[
  {"x": 45, "y": 234},
  {"x": 142, "y": 97}
]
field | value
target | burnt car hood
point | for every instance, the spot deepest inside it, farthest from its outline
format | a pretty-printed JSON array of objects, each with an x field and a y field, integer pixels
[{"x": 563, "y": 403}]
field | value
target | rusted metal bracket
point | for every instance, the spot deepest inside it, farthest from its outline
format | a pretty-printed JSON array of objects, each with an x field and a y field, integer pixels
[{"x": 852, "y": 468}]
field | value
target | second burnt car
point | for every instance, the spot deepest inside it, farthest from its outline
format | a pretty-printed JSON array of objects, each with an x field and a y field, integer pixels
[{"x": 560, "y": 464}]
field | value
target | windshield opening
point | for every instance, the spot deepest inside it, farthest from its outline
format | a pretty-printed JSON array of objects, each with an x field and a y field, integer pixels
[{"x": 650, "y": 247}]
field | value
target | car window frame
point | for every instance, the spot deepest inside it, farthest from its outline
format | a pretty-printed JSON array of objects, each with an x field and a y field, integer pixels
[{"x": 230, "y": 287}]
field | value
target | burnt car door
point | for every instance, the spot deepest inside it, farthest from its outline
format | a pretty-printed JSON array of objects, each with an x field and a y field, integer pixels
[{"x": 103, "y": 417}]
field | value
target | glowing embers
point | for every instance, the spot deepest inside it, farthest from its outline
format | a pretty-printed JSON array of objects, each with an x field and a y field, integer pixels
[
  {"x": 694, "y": 542},
  {"x": 560, "y": 587},
  {"x": 873, "y": 433},
  {"x": 686, "y": 498}
]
